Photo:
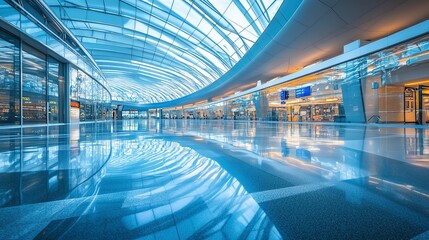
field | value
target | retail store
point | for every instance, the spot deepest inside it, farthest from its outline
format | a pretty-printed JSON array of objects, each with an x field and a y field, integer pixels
[
  {"x": 395, "y": 87},
  {"x": 242, "y": 108},
  {"x": 316, "y": 98},
  {"x": 43, "y": 80},
  {"x": 388, "y": 86},
  {"x": 93, "y": 98}
]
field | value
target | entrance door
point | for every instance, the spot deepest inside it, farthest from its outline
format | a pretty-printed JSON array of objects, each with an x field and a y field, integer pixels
[
  {"x": 410, "y": 105},
  {"x": 425, "y": 108},
  {"x": 423, "y": 105}
]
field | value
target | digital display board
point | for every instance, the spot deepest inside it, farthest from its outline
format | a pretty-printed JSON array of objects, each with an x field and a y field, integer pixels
[
  {"x": 284, "y": 95},
  {"x": 302, "y": 92}
]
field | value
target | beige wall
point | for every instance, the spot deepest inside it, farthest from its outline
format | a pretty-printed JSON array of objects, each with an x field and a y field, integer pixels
[{"x": 391, "y": 103}]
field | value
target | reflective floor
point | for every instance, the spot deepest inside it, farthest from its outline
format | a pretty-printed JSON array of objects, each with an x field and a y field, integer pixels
[{"x": 196, "y": 179}]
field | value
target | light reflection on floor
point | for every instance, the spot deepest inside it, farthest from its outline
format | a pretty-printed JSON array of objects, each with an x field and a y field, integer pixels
[{"x": 180, "y": 179}]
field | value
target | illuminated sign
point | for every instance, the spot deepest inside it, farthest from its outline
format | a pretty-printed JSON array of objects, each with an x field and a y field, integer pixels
[
  {"x": 302, "y": 92},
  {"x": 75, "y": 104},
  {"x": 284, "y": 95}
]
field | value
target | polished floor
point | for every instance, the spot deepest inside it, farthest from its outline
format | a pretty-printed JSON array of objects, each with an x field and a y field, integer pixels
[{"x": 196, "y": 179}]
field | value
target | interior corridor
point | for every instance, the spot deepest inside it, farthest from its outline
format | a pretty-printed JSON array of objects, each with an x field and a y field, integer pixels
[{"x": 202, "y": 179}]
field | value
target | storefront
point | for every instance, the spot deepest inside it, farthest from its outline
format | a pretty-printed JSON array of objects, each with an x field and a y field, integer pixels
[
  {"x": 43, "y": 89},
  {"x": 242, "y": 108},
  {"x": 94, "y": 98},
  {"x": 395, "y": 89},
  {"x": 134, "y": 114},
  {"x": 35, "y": 86},
  {"x": 316, "y": 98},
  {"x": 388, "y": 86},
  {"x": 217, "y": 111},
  {"x": 172, "y": 113}
]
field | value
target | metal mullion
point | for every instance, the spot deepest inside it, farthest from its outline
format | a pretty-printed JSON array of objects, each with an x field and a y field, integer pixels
[
  {"x": 47, "y": 89},
  {"x": 21, "y": 115}
]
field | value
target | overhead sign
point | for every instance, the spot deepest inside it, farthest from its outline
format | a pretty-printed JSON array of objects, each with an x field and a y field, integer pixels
[
  {"x": 302, "y": 92},
  {"x": 75, "y": 104},
  {"x": 284, "y": 95}
]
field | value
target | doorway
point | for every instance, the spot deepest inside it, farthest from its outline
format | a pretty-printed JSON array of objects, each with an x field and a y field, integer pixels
[
  {"x": 410, "y": 114},
  {"x": 423, "y": 105}
]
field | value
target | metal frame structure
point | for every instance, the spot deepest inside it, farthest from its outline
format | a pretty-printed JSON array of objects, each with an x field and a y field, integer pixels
[{"x": 157, "y": 51}]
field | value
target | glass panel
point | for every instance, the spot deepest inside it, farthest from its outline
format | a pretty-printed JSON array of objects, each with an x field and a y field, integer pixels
[
  {"x": 33, "y": 86},
  {"x": 204, "y": 38},
  {"x": 86, "y": 111},
  {"x": 85, "y": 86},
  {"x": 90, "y": 95},
  {"x": 55, "y": 76},
  {"x": 9, "y": 80},
  {"x": 9, "y": 14},
  {"x": 74, "y": 90},
  {"x": 55, "y": 45}
]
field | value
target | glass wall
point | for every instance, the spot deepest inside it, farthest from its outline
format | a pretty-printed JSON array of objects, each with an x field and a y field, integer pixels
[
  {"x": 10, "y": 112},
  {"x": 241, "y": 108},
  {"x": 33, "y": 86},
  {"x": 48, "y": 34},
  {"x": 93, "y": 98},
  {"x": 396, "y": 83},
  {"x": 55, "y": 89},
  {"x": 42, "y": 88},
  {"x": 316, "y": 98},
  {"x": 134, "y": 114},
  {"x": 42, "y": 85},
  {"x": 389, "y": 86},
  {"x": 216, "y": 111}
]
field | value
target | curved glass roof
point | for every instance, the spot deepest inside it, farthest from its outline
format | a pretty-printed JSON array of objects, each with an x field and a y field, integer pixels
[{"x": 156, "y": 51}]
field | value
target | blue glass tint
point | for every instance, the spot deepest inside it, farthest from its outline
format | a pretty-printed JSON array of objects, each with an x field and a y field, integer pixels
[
  {"x": 155, "y": 51},
  {"x": 9, "y": 80}
]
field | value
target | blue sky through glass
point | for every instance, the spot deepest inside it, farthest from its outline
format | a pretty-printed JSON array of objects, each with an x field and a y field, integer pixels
[{"x": 156, "y": 51}]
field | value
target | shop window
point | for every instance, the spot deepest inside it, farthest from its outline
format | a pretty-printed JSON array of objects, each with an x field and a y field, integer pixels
[
  {"x": 33, "y": 86},
  {"x": 9, "y": 80},
  {"x": 55, "y": 91}
]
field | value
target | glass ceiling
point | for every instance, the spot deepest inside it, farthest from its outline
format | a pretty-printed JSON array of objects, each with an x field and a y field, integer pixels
[{"x": 156, "y": 51}]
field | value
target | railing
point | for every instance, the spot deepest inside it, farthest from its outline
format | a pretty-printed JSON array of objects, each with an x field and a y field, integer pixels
[{"x": 376, "y": 117}]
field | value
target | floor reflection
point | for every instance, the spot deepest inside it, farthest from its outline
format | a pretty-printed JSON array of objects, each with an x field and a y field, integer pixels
[
  {"x": 180, "y": 179},
  {"x": 188, "y": 195},
  {"x": 49, "y": 163}
]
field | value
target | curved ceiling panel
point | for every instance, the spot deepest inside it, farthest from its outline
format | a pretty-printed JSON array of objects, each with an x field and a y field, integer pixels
[{"x": 157, "y": 51}]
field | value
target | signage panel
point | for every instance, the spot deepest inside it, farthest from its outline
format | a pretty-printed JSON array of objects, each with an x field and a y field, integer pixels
[
  {"x": 75, "y": 104},
  {"x": 302, "y": 92},
  {"x": 284, "y": 95}
]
